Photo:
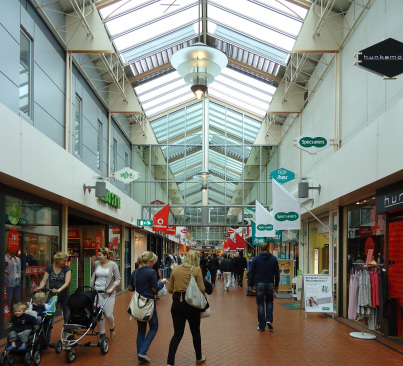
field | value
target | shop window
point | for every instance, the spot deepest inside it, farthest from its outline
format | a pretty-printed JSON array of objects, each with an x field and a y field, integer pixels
[
  {"x": 25, "y": 73},
  {"x": 32, "y": 238}
]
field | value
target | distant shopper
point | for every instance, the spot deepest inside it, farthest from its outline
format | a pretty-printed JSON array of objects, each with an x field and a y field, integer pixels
[
  {"x": 106, "y": 277},
  {"x": 239, "y": 268},
  {"x": 213, "y": 266},
  {"x": 265, "y": 275},
  {"x": 203, "y": 264},
  {"x": 226, "y": 270},
  {"x": 181, "y": 311}
]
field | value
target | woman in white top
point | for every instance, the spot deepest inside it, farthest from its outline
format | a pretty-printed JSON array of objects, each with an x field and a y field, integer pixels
[{"x": 106, "y": 277}]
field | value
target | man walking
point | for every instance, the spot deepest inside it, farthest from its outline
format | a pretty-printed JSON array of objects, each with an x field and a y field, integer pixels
[
  {"x": 265, "y": 275},
  {"x": 239, "y": 268},
  {"x": 226, "y": 270}
]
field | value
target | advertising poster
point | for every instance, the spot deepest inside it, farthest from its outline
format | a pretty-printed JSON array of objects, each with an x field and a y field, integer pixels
[
  {"x": 317, "y": 294},
  {"x": 286, "y": 274}
]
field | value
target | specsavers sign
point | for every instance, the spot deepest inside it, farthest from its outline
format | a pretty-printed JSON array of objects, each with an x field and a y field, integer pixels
[{"x": 312, "y": 142}]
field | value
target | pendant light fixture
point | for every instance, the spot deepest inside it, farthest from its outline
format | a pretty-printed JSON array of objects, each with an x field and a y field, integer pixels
[{"x": 199, "y": 64}]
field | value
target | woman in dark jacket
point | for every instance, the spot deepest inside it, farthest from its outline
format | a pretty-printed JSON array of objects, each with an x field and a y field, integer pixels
[
  {"x": 144, "y": 281},
  {"x": 203, "y": 265}
]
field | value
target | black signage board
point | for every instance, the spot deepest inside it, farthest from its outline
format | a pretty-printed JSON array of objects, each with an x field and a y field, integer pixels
[
  {"x": 389, "y": 198},
  {"x": 384, "y": 58}
]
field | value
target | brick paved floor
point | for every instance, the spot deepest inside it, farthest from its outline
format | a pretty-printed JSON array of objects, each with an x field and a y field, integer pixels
[{"x": 229, "y": 337}]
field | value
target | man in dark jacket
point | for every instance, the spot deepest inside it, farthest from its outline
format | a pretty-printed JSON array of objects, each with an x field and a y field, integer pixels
[
  {"x": 226, "y": 270},
  {"x": 265, "y": 275},
  {"x": 239, "y": 267},
  {"x": 213, "y": 265}
]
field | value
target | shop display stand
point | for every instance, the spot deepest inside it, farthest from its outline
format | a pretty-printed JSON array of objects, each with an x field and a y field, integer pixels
[{"x": 362, "y": 334}]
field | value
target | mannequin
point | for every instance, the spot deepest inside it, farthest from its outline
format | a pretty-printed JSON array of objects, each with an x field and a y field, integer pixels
[{"x": 13, "y": 277}]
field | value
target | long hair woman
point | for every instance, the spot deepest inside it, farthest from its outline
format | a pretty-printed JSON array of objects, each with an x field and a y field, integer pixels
[
  {"x": 106, "y": 277},
  {"x": 144, "y": 281},
  {"x": 180, "y": 310}
]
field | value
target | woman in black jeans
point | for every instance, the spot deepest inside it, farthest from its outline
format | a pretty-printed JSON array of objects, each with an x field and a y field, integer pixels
[{"x": 180, "y": 310}]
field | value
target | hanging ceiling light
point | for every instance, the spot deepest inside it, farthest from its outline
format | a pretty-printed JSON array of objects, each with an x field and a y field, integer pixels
[{"x": 199, "y": 64}]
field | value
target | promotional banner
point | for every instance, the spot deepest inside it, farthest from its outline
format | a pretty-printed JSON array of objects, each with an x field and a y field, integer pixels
[
  {"x": 232, "y": 245},
  {"x": 317, "y": 294},
  {"x": 264, "y": 222},
  {"x": 256, "y": 240},
  {"x": 160, "y": 220},
  {"x": 286, "y": 274},
  {"x": 240, "y": 242},
  {"x": 286, "y": 209},
  {"x": 171, "y": 230}
]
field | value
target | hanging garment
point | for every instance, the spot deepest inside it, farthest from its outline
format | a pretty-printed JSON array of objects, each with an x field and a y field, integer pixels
[{"x": 352, "y": 297}]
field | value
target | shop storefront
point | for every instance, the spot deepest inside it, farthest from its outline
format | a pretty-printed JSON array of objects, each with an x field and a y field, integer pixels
[
  {"x": 31, "y": 229},
  {"x": 375, "y": 251}
]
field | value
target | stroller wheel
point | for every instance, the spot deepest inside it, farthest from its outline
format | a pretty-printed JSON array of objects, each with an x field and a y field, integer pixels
[
  {"x": 71, "y": 355},
  {"x": 11, "y": 359},
  {"x": 2, "y": 358},
  {"x": 37, "y": 358},
  {"x": 58, "y": 346},
  {"x": 104, "y": 345},
  {"x": 27, "y": 358}
]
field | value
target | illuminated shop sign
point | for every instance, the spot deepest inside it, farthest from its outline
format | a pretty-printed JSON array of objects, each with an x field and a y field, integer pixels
[
  {"x": 111, "y": 199},
  {"x": 389, "y": 198}
]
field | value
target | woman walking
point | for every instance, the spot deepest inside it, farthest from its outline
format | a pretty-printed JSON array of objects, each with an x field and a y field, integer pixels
[
  {"x": 144, "y": 281},
  {"x": 180, "y": 310},
  {"x": 106, "y": 277},
  {"x": 59, "y": 276}
]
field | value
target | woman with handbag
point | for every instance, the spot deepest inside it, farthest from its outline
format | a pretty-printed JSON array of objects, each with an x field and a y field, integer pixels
[
  {"x": 144, "y": 281},
  {"x": 106, "y": 277},
  {"x": 181, "y": 311}
]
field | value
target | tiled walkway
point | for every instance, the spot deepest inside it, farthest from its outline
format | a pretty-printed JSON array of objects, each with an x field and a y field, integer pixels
[{"x": 229, "y": 337}]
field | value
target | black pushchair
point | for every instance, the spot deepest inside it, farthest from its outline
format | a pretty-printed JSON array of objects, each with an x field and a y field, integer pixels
[
  {"x": 84, "y": 316},
  {"x": 38, "y": 340}
]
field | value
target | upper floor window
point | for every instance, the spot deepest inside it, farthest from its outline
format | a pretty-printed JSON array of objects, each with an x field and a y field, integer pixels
[
  {"x": 114, "y": 156},
  {"x": 25, "y": 74},
  {"x": 77, "y": 125}
]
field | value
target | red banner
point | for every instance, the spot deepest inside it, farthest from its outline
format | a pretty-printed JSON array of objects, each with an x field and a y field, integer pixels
[
  {"x": 13, "y": 240},
  {"x": 171, "y": 230},
  {"x": 232, "y": 245},
  {"x": 160, "y": 220},
  {"x": 240, "y": 242},
  {"x": 73, "y": 233}
]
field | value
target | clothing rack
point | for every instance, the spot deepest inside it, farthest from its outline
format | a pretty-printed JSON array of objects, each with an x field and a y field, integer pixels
[{"x": 362, "y": 334}]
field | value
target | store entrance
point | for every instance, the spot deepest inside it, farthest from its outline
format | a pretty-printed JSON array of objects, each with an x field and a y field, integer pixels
[{"x": 85, "y": 238}]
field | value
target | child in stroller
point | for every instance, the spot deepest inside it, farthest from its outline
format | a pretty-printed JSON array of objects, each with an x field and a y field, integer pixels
[
  {"x": 84, "y": 315},
  {"x": 19, "y": 340}
]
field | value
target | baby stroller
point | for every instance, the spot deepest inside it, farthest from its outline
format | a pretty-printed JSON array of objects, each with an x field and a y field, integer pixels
[
  {"x": 84, "y": 316},
  {"x": 38, "y": 340}
]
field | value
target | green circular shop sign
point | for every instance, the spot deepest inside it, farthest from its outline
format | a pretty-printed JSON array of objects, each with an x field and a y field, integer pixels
[{"x": 262, "y": 227}]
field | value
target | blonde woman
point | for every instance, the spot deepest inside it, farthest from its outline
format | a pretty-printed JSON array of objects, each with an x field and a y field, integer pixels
[
  {"x": 144, "y": 281},
  {"x": 106, "y": 277},
  {"x": 180, "y": 310},
  {"x": 59, "y": 276}
]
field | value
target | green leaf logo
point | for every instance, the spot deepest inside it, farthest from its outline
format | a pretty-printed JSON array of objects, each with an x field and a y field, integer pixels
[
  {"x": 290, "y": 216},
  {"x": 317, "y": 142},
  {"x": 262, "y": 227}
]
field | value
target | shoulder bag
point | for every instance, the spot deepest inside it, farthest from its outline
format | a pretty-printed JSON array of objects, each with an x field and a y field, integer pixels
[
  {"x": 140, "y": 308},
  {"x": 194, "y": 296}
]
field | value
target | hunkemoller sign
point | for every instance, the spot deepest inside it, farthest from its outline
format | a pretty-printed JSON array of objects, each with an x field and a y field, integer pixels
[
  {"x": 389, "y": 198},
  {"x": 312, "y": 142},
  {"x": 384, "y": 58}
]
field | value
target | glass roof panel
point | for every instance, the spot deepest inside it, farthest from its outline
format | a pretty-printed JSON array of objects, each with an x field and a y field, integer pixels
[
  {"x": 246, "y": 26},
  {"x": 142, "y": 32},
  {"x": 286, "y": 7}
]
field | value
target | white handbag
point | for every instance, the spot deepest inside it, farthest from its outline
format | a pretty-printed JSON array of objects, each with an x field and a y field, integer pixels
[
  {"x": 194, "y": 296},
  {"x": 141, "y": 308}
]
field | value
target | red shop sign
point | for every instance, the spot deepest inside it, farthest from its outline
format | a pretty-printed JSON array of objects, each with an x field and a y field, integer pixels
[
  {"x": 13, "y": 240},
  {"x": 230, "y": 231},
  {"x": 73, "y": 233},
  {"x": 34, "y": 270}
]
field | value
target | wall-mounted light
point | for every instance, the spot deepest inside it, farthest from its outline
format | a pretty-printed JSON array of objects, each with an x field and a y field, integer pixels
[
  {"x": 100, "y": 189},
  {"x": 303, "y": 189}
]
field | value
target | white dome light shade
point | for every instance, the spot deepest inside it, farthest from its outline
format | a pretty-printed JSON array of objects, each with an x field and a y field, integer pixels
[{"x": 199, "y": 63}]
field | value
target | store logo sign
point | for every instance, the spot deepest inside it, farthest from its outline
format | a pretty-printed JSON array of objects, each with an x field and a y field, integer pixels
[
  {"x": 111, "y": 199},
  {"x": 384, "y": 58},
  {"x": 265, "y": 227},
  {"x": 282, "y": 175},
  {"x": 289, "y": 216},
  {"x": 389, "y": 198},
  {"x": 312, "y": 142}
]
